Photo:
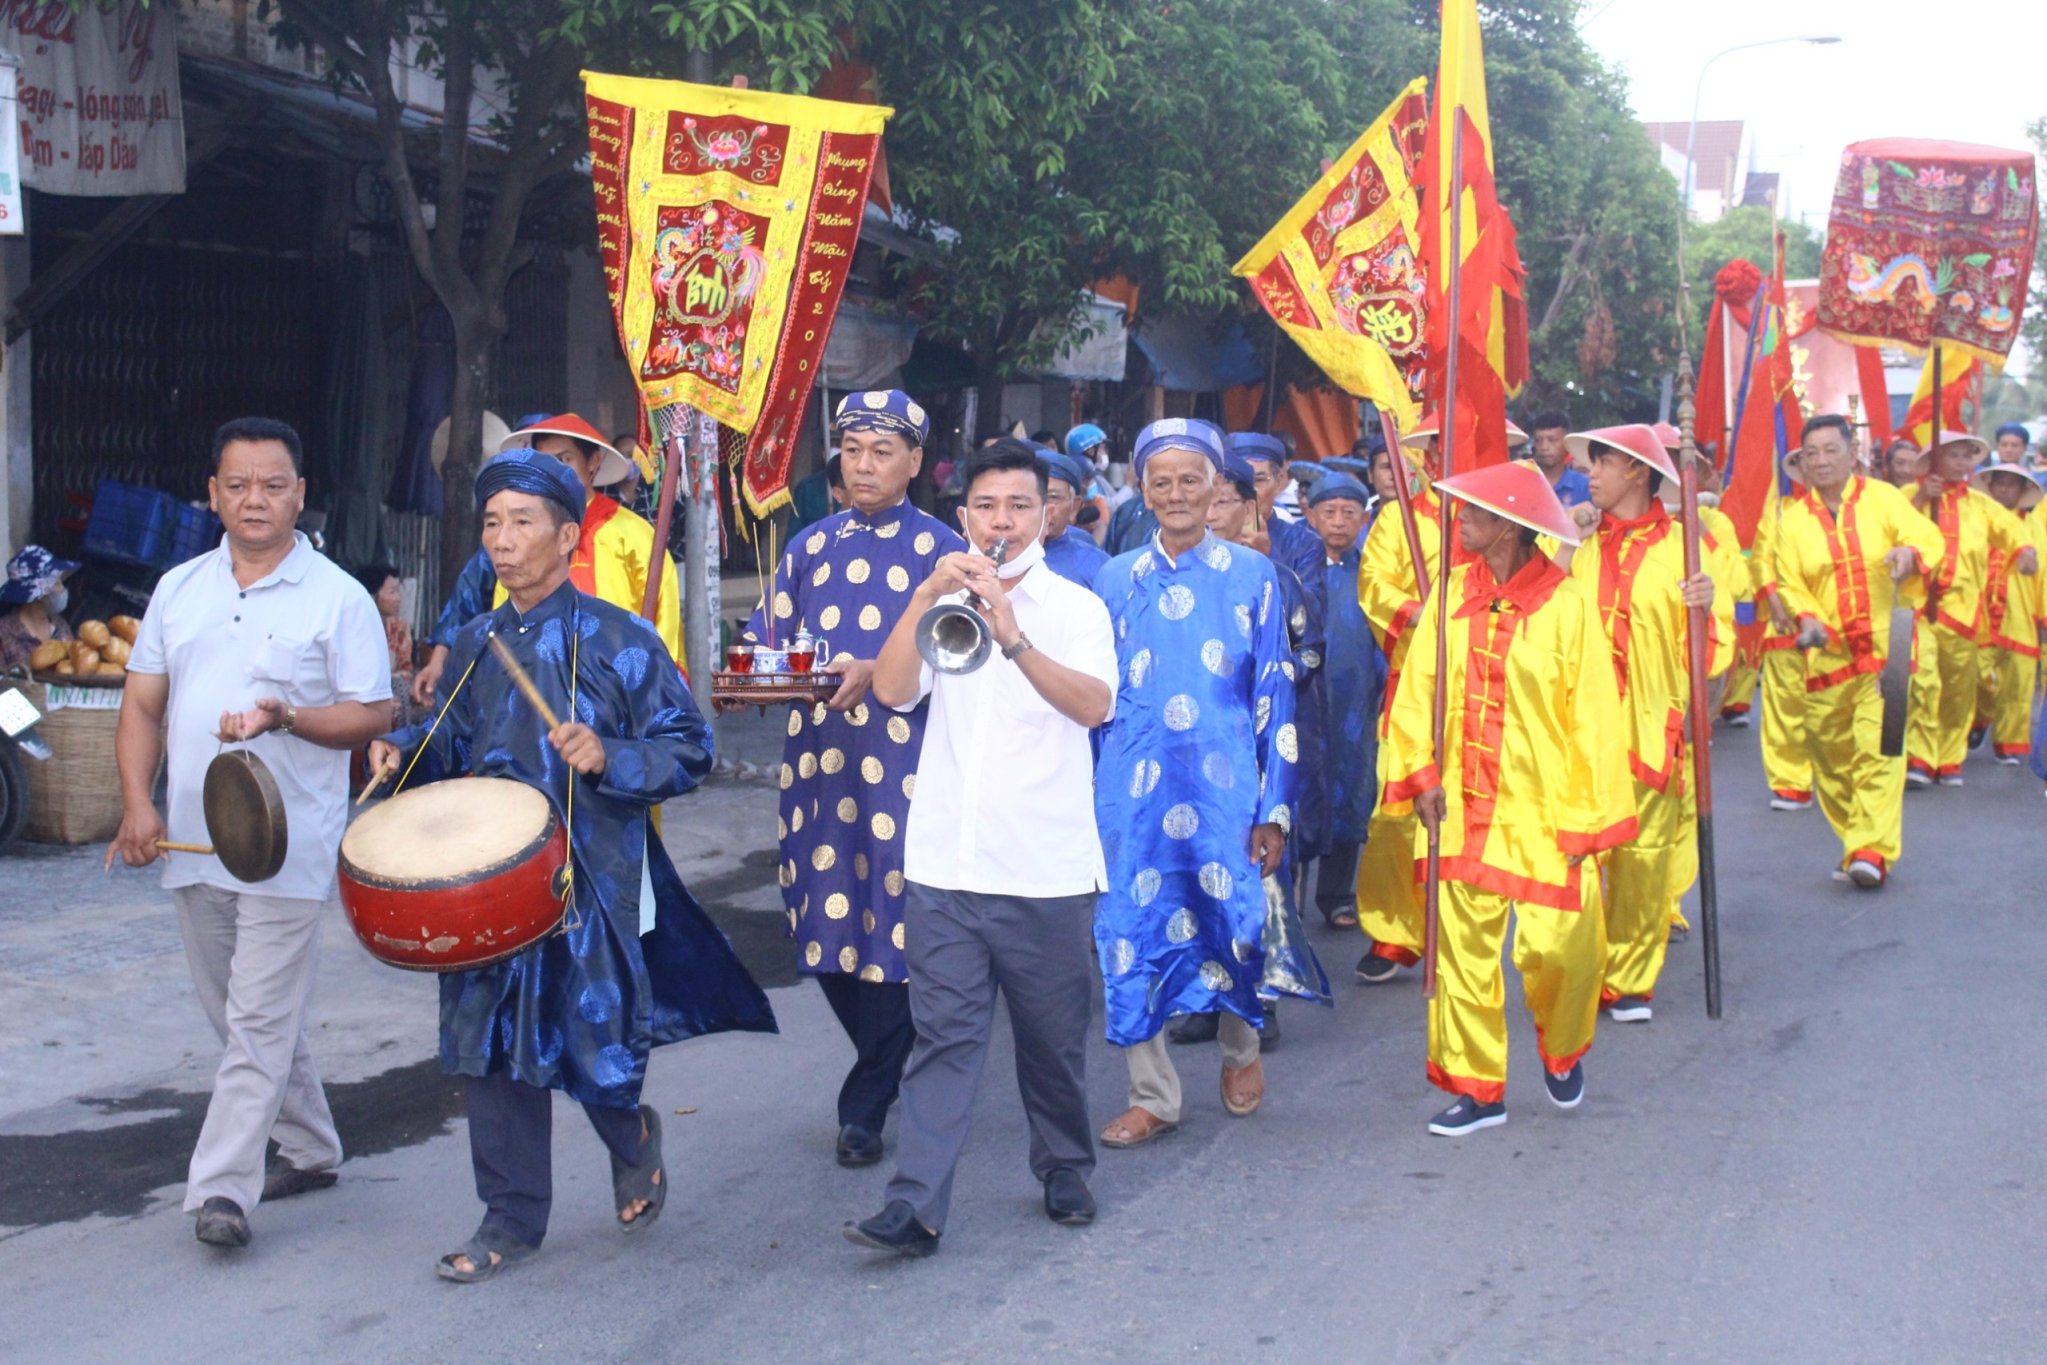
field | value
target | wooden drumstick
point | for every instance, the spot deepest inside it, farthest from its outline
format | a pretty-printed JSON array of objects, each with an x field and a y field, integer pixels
[
  {"x": 169, "y": 847},
  {"x": 376, "y": 781},
  {"x": 524, "y": 683}
]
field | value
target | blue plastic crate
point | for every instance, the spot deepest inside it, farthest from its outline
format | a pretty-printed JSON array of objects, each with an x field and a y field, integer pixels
[
  {"x": 194, "y": 531},
  {"x": 130, "y": 523}
]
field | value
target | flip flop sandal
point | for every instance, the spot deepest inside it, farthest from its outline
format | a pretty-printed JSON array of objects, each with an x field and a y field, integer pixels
[
  {"x": 1341, "y": 919},
  {"x": 1244, "y": 1103},
  {"x": 482, "y": 1264},
  {"x": 1149, "y": 1128},
  {"x": 630, "y": 1183}
]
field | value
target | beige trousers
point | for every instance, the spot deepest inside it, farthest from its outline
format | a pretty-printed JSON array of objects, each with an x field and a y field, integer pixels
[{"x": 1155, "y": 1085}]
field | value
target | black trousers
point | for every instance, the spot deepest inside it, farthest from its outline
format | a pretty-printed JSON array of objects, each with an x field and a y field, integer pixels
[
  {"x": 876, "y": 1017},
  {"x": 511, "y": 1145},
  {"x": 1336, "y": 879}
]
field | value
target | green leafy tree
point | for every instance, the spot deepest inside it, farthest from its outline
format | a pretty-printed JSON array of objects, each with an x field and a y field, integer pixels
[{"x": 2033, "y": 328}]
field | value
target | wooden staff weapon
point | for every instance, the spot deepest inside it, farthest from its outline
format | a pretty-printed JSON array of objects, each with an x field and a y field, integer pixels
[
  {"x": 1433, "y": 884},
  {"x": 1701, "y": 719},
  {"x": 1433, "y": 879},
  {"x": 665, "y": 494}
]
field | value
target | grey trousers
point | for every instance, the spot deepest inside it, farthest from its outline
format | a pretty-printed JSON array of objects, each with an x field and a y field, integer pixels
[
  {"x": 1336, "y": 879},
  {"x": 961, "y": 946},
  {"x": 252, "y": 961},
  {"x": 1155, "y": 1085}
]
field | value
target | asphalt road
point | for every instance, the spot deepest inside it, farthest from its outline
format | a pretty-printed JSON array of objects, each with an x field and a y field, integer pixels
[{"x": 1845, "y": 1168}]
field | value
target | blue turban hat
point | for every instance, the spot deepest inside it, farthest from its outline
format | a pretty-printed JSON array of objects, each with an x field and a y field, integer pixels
[
  {"x": 2014, "y": 429},
  {"x": 1237, "y": 470},
  {"x": 1256, "y": 445},
  {"x": 1177, "y": 433},
  {"x": 1059, "y": 465},
  {"x": 889, "y": 411},
  {"x": 528, "y": 471},
  {"x": 1337, "y": 484}
]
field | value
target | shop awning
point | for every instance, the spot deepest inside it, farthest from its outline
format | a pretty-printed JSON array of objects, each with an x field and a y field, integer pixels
[{"x": 1188, "y": 355}]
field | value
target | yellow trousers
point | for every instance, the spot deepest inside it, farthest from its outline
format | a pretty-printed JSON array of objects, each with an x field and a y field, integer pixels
[
  {"x": 1390, "y": 901},
  {"x": 1560, "y": 955},
  {"x": 2005, "y": 692},
  {"x": 1787, "y": 758},
  {"x": 1644, "y": 880},
  {"x": 1943, "y": 703},
  {"x": 1861, "y": 791},
  {"x": 1738, "y": 685}
]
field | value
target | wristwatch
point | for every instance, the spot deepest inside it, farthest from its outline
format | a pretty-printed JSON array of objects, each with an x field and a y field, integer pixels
[
  {"x": 1023, "y": 643},
  {"x": 291, "y": 718}
]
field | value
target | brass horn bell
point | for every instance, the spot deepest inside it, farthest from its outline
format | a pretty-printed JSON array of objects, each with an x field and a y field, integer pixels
[{"x": 952, "y": 637}]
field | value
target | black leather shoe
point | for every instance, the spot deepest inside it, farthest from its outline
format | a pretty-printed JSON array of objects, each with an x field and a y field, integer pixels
[
  {"x": 1067, "y": 1199},
  {"x": 858, "y": 1146},
  {"x": 895, "y": 1229},
  {"x": 1193, "y": 1028},
  {"x": 222, "y": 1223},
  {"x": 1268, "y": 1032}
]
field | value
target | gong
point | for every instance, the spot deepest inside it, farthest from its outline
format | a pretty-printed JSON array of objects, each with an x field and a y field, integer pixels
[
  {"x": 244, "y": 817},
  {"x": 1894, "y": 684}
]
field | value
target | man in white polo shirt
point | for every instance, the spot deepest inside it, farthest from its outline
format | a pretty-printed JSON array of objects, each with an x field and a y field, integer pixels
[
  {"x": 1000, "y": 855},
  {"x": 263, "y": 641}
]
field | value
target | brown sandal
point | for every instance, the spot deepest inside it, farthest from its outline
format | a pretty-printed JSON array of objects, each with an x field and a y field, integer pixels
[
  {"x": 1134, "y": 1127},
  {"x": 1244, "y": 1088}
]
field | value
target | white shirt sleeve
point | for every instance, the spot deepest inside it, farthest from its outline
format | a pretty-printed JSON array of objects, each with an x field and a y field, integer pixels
[
  {"x": 1091, "y": 643},
  {"x": 146, "y": 654},
  {"x": 358, "y": 655},
  {"x": 925, "y": 678}
]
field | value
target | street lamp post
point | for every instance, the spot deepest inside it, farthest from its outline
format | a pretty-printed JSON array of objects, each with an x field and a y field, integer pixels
[{"x": 1692, "y": 132}]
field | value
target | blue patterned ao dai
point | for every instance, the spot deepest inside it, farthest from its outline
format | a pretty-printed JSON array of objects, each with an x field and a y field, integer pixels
[
  {"x": 579, "y": 1010},
  {"x": 1354, "y": 671},
  {"x": 1201, "y": 748},
  {"x": 847, "y": 776}
]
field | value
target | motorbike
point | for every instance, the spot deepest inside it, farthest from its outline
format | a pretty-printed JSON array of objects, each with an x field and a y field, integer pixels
[{"x": 18, "y": 738}]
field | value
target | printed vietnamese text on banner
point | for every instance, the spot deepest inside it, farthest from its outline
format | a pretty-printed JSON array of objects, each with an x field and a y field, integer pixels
[{"x": 96, "y": 98}]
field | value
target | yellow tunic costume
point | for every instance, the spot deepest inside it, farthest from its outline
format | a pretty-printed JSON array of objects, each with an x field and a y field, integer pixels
[
  {"x": 1535, "y": 777},
  {"x": 1830, "y": 568},
  {"x": 1634, "y": 571},
  {"x": 1970, "y": 524},
  {"x": 2008, "y": 631},
  {"x": 1787, "y": 758},
  {"x": 1390, "y": 907},
  {"x": 610, "y": 564}
]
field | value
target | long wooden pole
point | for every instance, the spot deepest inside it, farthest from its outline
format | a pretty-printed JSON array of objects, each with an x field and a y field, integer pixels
[
  {"x": 1405, "y": 496},
  {"x": 1701, "y": 718},
  {"x": 672, "y": 466},
  {"x": 1433, "y": 883}
]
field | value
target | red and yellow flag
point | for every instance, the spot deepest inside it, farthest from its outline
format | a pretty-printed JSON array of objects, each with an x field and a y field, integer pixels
[
  {"x": 1338, "y": 273},
  {"x": 727, "y": 220},
  {"x": 1960, "y": 371},
  {"x": 1491, "y": 333}
]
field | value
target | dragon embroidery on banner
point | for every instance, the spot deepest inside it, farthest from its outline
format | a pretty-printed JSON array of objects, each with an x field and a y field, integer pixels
[{"x": 1872, "y": 281}]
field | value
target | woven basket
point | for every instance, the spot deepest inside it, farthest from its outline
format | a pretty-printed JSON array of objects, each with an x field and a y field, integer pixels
[{"x": 74, "y": 797}]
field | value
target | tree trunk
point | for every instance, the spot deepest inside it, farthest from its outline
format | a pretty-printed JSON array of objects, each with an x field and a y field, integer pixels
[
  {"x": 988, "y": 386},
  {"x": 475, "y": 370}
]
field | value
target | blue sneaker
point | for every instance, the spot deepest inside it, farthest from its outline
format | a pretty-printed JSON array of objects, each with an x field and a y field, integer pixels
[
  {"x": 1467, "y": 1116},
  {"x": 1567, "y": 1090}
]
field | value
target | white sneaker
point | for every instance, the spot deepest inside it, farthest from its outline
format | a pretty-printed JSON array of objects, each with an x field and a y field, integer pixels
[
  {"x": 2008, "y": 760},
  {"x": 1915, "y": 778},
  {"x": 1788, "y": 803},
  {"x": 1950, "y": 779},
  {"x": 1629, "y": 1009},
  {"x": 1865, "y": 874}
]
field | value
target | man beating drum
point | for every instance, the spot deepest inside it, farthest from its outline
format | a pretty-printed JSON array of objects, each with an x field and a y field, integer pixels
[
  {"x": 263, "y": 640},
  {"x": 579, "y": 1010}
]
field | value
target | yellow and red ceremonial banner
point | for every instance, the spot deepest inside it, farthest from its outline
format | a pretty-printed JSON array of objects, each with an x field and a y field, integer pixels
[
  {"x": 726, "y": 221},
  {"x": 1960, "y": 374},
  {"x": 1339, "y": 272},
  {"x": 1491, "y": 333}
]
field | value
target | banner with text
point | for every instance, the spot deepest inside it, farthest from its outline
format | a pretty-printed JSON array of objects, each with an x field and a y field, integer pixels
[
  {"x": 96, "y": 101},
  {"x": 726, "y": 221}
]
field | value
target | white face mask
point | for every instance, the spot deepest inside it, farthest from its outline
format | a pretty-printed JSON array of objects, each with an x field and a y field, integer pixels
[
  {"x": 57, "y": 601},
  {"x": 1018, "y": 564}
]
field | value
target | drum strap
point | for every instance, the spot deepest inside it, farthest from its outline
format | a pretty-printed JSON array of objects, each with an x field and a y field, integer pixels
[{"x": 568, "y": 880}]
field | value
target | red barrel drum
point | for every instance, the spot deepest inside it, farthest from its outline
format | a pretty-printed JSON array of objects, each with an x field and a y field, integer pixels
[{"x": 454, "y": 875}]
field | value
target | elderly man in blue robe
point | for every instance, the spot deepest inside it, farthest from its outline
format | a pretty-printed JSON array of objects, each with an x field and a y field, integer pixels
[
  {"x": 850, "y": 766},
  {"x": 1354, "y": 674},
  {"x": 1069, "y": 551},
  {"x": 579, "y": 1010},
  {"x": 1195, "y": 788}
]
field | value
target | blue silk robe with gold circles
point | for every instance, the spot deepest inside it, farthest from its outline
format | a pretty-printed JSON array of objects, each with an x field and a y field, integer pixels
[
  {"x": 847, "y": 776},
  {"x": 1201, "y": 748}
]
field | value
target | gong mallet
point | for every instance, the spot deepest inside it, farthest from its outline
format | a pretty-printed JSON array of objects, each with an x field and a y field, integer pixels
[{"x": 523, "y": 683}]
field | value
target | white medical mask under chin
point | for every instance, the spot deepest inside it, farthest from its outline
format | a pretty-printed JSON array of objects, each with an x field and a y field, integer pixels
[
  {"x": 1018, "y": 564},
  {"x": 55, "y": 602}
]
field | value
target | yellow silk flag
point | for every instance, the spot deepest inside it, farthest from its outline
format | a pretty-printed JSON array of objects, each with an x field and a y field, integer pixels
[
  {"x": 1960, "y": 371},
  {"x": 727, "y": 221},
  {"x": 1338, "y": 273}
]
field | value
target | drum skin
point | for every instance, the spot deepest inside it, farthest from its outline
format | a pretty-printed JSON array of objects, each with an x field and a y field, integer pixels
[{"x": 462, "y": 922}]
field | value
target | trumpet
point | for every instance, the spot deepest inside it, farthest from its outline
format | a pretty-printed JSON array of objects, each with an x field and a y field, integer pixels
[{"x": 952, "y": 637}]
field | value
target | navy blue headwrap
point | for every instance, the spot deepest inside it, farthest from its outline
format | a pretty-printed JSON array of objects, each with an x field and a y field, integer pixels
[
  {"x": 2014, "y": 429},
  {"x": 528, "y": 471}
]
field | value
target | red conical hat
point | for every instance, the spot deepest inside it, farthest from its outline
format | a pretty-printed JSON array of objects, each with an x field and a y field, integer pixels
[
  {"x": 614, "y": 467},
  {"x": 1668, "y": 436},
  {"x": 1431, "y": 424},
  {"x": 1518, "y": 491},
  {"x": 1637, "y": 440},
  {"x": 1515, "y": 435}
]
